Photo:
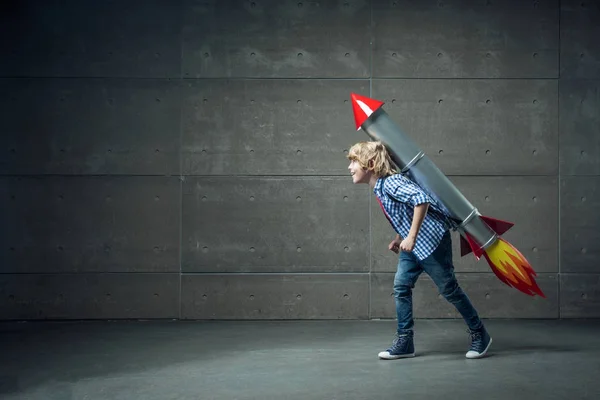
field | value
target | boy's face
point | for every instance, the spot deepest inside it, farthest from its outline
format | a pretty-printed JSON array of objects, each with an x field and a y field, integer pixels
[{"x": 359, "y": 174}]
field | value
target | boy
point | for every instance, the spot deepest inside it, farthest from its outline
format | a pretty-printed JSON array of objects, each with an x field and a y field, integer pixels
[{"x": 424, "y": 244}]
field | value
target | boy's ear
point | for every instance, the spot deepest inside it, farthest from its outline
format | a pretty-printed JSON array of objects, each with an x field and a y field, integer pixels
[{"x": 370, "y": 164}]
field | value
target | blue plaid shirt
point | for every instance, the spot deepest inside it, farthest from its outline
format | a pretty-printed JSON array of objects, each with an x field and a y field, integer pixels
[{"x": 398, "y": 196}]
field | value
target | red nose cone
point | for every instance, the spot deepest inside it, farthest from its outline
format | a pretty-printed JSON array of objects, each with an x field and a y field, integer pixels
[{"x": 363, "y": 107}]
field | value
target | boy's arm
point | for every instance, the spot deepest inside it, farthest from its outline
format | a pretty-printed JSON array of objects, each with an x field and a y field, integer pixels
[{"x": 420, "y": 210}]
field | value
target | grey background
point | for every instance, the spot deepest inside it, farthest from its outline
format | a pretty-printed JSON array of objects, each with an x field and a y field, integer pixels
[{"x": 186, "y": 158}]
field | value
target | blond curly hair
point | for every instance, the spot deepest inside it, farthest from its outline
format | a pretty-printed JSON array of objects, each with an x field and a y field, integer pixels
[{"x": 365, "y": 152}]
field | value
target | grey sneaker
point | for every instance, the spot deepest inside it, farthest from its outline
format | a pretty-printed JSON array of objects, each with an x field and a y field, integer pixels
[
  {"x": 480, "y": 343},
  {"x": 402, "y": 347}
]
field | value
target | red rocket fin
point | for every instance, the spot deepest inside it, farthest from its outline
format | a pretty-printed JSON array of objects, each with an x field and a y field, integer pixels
[
  {"x": 465, "y": 248},
  {"x": 497, "y": 225},
  {"x": 363, "y": 107},
  {"x": 470, "y": 244}
]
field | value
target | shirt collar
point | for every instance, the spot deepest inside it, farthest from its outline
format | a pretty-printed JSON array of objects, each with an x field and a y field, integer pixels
[{"x": 378, "y": 188}]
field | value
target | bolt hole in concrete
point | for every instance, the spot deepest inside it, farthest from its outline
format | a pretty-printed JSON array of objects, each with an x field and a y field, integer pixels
[
  {"x": 345, "y": 198},
  {"x": 439, "y": 55},
  {"x": 534, "y": 199},
  {"x": 393, "y": 101},
  {"x": 156, "y": 295},
  {"x": 346, "y": 249},
  {"x": 441, "y": 152},
  {"x": 440, "y": 101},
  {"x": 252, "y": 249},
  {"x": 394, "y": 55},
  {"x": 205, "y": 249},
  {"x": 299, "y": 296},
  {"x": 583, "y": 199},
  {"x": 204, "y": 198},
  {"x": 487, "y": 296},
  {"x": 346, "y": 296},
  {"x": 487, "y": 198},
  {"x": 299, "y": 55},
  {"x": 534, "y": 152},
  {"x": 535, "y": 55},
  {"x": 583, "y": 296},
  {"x": 534, "y": 249},
  {"x": 298, "y": 249},
  {"x": 251, "y": 297},
  {"x": 298, "y": 198},
  {"x": 204, "y": 297},
  {"x": 534, "y": 101},
  {"x": 298, "y": 152},
  {"x": 488, "y": 101},
  {"x": 487, "y": 152},
  {"x": 251, "y": 198},
  {"x": 347, "y": 54},
  {"x": 582, "y": 153},
  {"x": 583, "y": 250}
]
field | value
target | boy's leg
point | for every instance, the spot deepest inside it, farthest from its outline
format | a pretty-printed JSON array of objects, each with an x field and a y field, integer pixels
[
  {"x": 440, "y": 268},
  {"x": 404, "y": 281},
  {"x": 407, "y": 273}
]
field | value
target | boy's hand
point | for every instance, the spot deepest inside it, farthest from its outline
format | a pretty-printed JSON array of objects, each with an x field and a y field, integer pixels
[
  {"x": 395, "y": 245},
  {"x": 408, "y": 244}
]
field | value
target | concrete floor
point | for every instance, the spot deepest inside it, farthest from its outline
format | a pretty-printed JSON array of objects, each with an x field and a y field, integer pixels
[{"x": 294, "y": 360}]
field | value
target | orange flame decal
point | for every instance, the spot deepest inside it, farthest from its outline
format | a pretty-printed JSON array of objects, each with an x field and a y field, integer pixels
[{"x": 511, "y": 267}]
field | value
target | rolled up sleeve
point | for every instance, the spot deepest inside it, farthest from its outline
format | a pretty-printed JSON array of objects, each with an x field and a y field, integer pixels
[{"x": 405, "y": 191}]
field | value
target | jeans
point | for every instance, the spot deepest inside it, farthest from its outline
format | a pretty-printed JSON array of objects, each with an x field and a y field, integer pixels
[{"x": 438, "y": 265}]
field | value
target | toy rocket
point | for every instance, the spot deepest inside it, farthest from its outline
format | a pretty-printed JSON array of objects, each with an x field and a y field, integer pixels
[{"x": 479, "y": 234}]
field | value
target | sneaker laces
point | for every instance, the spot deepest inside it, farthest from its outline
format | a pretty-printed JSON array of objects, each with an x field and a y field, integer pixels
[
  {"x": 399, "y": 339},
  {"x": 476, "y": 338}
]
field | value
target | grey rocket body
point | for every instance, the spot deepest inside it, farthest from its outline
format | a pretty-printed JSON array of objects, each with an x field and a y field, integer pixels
[{"x": 413, "y": 162}]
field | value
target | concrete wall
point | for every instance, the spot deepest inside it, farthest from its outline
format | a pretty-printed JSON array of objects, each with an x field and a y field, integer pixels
[{"x": 186, "y": 159}]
